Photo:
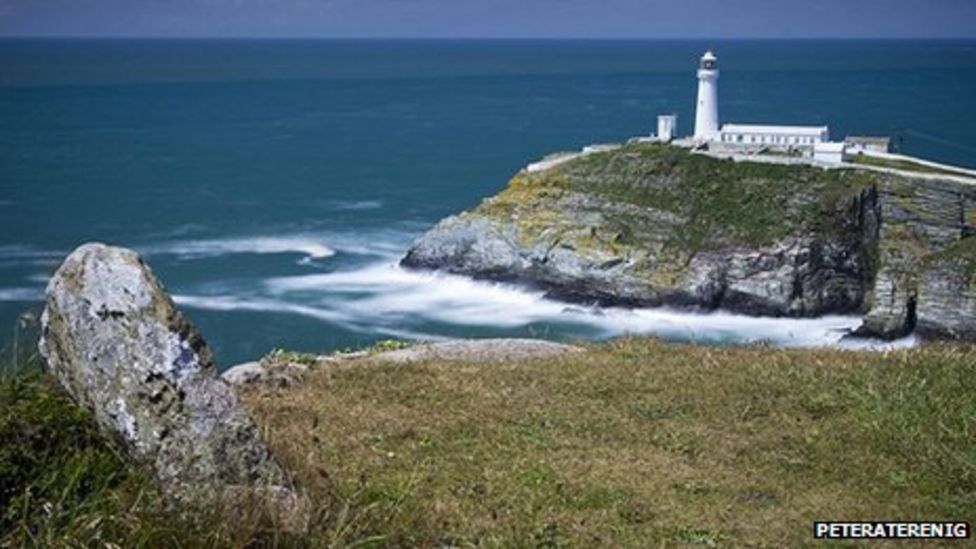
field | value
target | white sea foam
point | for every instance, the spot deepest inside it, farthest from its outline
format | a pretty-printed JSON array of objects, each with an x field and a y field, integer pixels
[
  {"x": 384, "y": 294},
  {"x": 309, "y": 246},
  {"x": 39, "y": 278},
  {"x": 231, "y": 303},
  {"x": 385, "y": 243},
  {"x": 354, "y": 205},
  {"x": 325, "y": 314},
  {"x": 21, "y": 252},
  {"x": 384, "y": 298},
  {"x": 21, "y": 294}
]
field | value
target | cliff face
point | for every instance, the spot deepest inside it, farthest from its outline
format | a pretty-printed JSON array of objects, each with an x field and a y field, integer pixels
[{"x": 651, "y": 224}]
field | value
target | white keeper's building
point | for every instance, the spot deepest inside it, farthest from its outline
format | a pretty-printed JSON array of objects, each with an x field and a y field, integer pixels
[
  {"x": 776, "y": 136},
  {"x": 809, "y": 141}
]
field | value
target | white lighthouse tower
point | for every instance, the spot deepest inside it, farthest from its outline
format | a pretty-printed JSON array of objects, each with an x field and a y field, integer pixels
[{"x": 706, "y": 113}]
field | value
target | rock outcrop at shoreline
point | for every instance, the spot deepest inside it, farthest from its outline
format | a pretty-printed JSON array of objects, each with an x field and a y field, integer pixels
[
  {"x": 657, "y": 225},
  {"x": 119, "y": 346}
]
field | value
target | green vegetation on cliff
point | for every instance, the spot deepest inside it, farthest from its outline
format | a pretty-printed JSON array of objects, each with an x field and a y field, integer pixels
[
  {"x": 960, "y": 257},
  {"x": 706, "y": 203}
]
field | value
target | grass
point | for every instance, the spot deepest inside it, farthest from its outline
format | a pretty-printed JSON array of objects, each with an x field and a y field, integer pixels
[
  {"x": 59, "y": 480},
  {"x": 901, "y": 164},
  {"x": 63, "y": 485},
  {"x": 631, "y": 443},
  {"x": 637, "y": 443}
]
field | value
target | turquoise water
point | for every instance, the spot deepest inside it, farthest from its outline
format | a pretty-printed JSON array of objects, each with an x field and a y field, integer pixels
[{"x": 272, "y": 185}]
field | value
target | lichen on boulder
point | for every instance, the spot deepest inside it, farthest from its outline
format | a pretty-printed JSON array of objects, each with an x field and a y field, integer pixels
[{"x": 120, "y": 347}]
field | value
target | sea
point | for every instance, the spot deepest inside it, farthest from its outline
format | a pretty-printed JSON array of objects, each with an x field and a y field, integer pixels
[{"x": 273, "y": 185}]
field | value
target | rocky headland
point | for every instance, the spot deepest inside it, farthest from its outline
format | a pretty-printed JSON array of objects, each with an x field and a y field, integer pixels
[{"x": 650, "y": 224}]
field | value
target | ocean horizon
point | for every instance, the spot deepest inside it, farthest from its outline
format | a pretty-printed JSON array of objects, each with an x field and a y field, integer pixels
[{"x": 273, "y": 184}]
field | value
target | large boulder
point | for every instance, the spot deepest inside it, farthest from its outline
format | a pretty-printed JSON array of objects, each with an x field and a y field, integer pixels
[{"x": 120, "y": 347}]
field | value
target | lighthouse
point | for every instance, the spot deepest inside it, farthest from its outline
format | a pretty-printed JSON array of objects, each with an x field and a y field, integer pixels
[{"x": 706, "y": 113}]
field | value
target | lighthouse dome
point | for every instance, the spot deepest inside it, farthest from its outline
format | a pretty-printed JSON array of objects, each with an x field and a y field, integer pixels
[{"x": 709, "y": 61}]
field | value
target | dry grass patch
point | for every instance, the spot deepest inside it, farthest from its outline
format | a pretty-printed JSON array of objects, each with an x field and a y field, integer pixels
[{"x": 634, "y": 443}]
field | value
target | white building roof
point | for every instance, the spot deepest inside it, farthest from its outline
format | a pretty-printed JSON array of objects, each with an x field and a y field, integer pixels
[
  {"x": 829, "y": 147},
  {"x": 812, "y": 131},
  {"x": 868, "y": 139}
]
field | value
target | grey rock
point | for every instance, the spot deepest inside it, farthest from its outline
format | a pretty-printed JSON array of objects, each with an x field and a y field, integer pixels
[
  {"x": 792, "y": 277},
  {"x": 120, "y": 347},
  {"x": 245, "y": 374},
  {"x": 477, "y": 350},
  {"x": 265, "y": 373},
  {"x": 466, "y": 244},
  {"x": 892, "y": 303},
  {"x": 919, "y": 219},
  {"x": 947, "y": 298}
]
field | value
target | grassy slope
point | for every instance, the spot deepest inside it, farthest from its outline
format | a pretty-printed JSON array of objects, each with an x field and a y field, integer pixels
[
  {"x": 58, "y": 480},
  {"x": 63, "y": 485},
  {"x": 632, "y": 443},
  {"x": 637, "y": 442}
]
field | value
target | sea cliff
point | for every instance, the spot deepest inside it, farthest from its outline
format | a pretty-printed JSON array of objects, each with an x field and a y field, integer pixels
[{"x": 650, "y": 224}]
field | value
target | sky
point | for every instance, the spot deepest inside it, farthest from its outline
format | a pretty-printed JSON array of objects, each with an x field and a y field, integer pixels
[{"x": 714, "y": 19}]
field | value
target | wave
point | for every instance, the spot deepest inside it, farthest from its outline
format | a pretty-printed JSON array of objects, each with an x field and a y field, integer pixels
[
  {"x": 354, "y": 205},
  {"x": 24, "y": 251},
  {"x": 230, "y": 303},
  {"x": 308, "y": 246},
  {"x": 385, "y": 243},
  {"x": 383, "y": 298},
  {"x": 331, "y": 316},
  {"x": 385, "y": 294},
  {"x": 21, "y": 294}
]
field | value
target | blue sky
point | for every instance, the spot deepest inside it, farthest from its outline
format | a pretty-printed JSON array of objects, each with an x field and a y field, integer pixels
[{"x": 492, "y": 18}]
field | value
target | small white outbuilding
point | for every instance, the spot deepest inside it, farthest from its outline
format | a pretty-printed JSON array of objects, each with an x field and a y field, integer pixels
[
  {"x": 867, "y": 143},
  {"x": 830, "y": 152},
  {"x": 667, "y": 124}
]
